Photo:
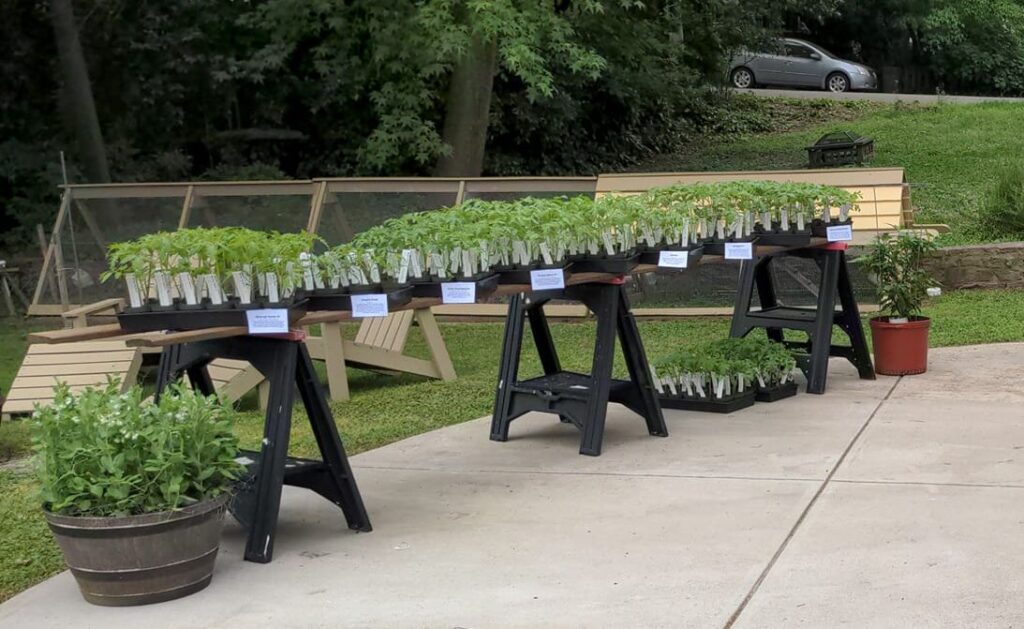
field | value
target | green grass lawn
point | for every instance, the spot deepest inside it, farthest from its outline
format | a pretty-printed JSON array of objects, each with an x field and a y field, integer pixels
[
  {"x": 385, "y": 409},
  {"x": 949, "y": 153}
]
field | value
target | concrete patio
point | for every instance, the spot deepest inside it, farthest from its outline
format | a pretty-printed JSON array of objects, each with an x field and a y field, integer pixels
[{"x": 893, "y": 503}]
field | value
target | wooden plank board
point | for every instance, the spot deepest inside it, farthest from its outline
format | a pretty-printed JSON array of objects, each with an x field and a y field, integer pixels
[
  {"x": 57, "y": 360},
  {"x": 22, "y": 382},
  {"x": 90, "y": 333},
  {"x": 85, "y": 347},
  {"x": 39, "y": 394},
  {"x": 113, "y": 368},
  {"x": 842, "y": 177}
]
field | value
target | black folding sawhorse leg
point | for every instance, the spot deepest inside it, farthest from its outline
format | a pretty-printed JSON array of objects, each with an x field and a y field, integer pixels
[
  {"x": 816, "y": 321},
  {"x": 286, "y": 364},
  {"x": 577, "y": 398}
]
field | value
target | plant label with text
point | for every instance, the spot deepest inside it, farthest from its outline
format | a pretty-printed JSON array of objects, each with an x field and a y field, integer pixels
[
  {"x": 674, "y": 259},
  {"x": 739, "y": 250},
  {"x": 458, "y": 292},
  {"x": 839, "y": 233},
  {"x": 547, "y": 279},
  {"x": 370, "y": 305},
  {"x": 267, "y": 321}
]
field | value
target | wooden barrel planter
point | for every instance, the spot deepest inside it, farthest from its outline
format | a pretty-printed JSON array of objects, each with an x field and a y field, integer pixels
[{"x": 142, "y": 559}]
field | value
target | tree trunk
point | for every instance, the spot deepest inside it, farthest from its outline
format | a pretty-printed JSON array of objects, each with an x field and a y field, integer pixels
[
  {"x": 467, "y": 111},
  {"x": 81, "y": 109}
]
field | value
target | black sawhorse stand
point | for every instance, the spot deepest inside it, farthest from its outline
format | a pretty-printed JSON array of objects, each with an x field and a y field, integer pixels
[
  {"x": 285, "y": 363},
  {"x": 817, "y": 321},
  {"x": 576, "y": 398}
]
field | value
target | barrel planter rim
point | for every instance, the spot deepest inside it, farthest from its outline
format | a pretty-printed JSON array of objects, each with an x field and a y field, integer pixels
[{"x": 155, "y": 518}]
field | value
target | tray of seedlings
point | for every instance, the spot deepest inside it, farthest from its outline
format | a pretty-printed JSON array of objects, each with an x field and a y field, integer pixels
[
  {"x": 335, "y": 276},
  {"x": 200, "y": 278},
  {"x": 702, "y": 379},
  {"x": 774, "y": 365}
]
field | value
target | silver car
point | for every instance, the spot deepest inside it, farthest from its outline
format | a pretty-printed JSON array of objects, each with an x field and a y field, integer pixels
[{"x": 800, "y": 64}]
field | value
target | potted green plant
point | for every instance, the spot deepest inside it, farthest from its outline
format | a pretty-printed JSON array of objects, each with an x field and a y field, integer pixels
[
  {"x": 135, "y": 492},
  {"x": 900, "y": 338}
]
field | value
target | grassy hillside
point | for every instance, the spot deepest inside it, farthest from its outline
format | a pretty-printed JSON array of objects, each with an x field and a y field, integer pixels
[{"x": 949, "y": 153}]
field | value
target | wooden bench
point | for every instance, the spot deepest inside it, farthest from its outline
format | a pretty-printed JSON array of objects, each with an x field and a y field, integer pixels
[
  {"x": 90, "y": 363},
  {"x": 379, "y": 346}
]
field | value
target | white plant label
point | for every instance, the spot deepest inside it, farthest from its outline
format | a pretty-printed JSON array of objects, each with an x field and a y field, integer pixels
[
  {"x": 134, "y": 294},
  {"x": 839, "y": 233},
  {"x": 674, "y": 259},
  {"x": 547, "y": 279},
  {"x": 267, "y": 321},
  {"x": 369, "y": 305},
  {"x": 163, "y": 288},
  {"x": 307, "y": 271},
  {"x": 213, "y": 289},
  {"x": 739, "y": 250},
  {"x": 188, "y": 287},
  {"x": 272, "y": 294},
  {"x": 458, "y": 292},
  {"x": 243, "y": 286},
  {"x": 545, "y": 253}
]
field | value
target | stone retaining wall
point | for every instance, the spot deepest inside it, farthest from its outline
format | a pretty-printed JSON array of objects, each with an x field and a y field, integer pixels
[{"x": 979, "y": 266}]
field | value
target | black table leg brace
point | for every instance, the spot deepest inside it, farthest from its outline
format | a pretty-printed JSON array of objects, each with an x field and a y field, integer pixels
[
  {"x": 287, "y": 366},
  {"x": 576, "y": 398},
  {"x": 816, "y": 321}
]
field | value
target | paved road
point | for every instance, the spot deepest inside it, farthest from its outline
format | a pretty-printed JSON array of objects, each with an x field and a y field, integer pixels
[
  {"x": 885, "y": 503},
  {"x": 882, "y": 97}
]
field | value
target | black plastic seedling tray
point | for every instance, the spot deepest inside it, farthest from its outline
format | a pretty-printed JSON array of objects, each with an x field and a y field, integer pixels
[
  {"x": 157, "y": 318},
  {"x": 775, "y": 394},
  {"x": 342, "y": 300},
  {"x": 617, "y": 264},
  {"x": 728, "y": 404},
  {"x": 521, "y": 275},
  {"x": 485, "y": 285},
  {"x": 717, "y": 247},
  {"x": 819, "y": 228},
  {"x": 652, "y": 256},
  {"x": 784, "y": 239}
]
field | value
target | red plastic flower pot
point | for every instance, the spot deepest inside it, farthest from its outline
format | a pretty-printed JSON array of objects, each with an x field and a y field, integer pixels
[{"x": 901, "y": 349}]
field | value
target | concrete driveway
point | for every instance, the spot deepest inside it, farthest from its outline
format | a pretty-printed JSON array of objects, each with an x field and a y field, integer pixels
[
  {"x": 881, "y": 97},
  {"x": 893, "y": 503}
]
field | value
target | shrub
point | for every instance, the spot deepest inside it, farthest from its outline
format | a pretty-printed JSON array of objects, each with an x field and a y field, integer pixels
[
  {"x": 105, "y": 453},
  {"x": 896, "y": 262},
  {"x": 1004, "y": 206}
]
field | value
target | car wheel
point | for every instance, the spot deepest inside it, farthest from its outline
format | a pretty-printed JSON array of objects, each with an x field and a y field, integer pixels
[
  {"x": 837, "y": 82},
  {"x": 743, "y": 78}
]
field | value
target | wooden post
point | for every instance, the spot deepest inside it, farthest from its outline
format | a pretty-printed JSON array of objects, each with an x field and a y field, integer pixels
[
  {"x": 316, "y": 206},
  {"x": 51, "y": 251},
  {"x": 8, "y": 301},
  {"x": 435, "y": 342},
  {"x": 51, "y": 283},
  {"x": 186, "y": 207},
  {"x": 334, "y": 360}
]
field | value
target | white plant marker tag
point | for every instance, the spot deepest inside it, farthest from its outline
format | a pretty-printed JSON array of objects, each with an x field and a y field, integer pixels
[
  {"x": 273, "y": 296},
  {"x": 545, "y": 253},
  {"x": 458, "y": 292},
  {"x": 519, "y": 252},
  {"x": 609, "y": 246},
  {"x": 468, "y": 265},
  {"x": 839, "y": 233},
  {"x": 437, "y": 262},
  {"x": 267, "y": 320},
  {"x": 369, "y": 305},
  {"x": 261, "y": 283},
  {"x": 188, "y": 287},
  {"x": 213, "y": 289},
  {"x": 243, "y": 286},
  {"x": 163, "y": 288},
  {"x": 844, "y": 212},
  {"x": 547, "y": 279},
  {"x": 739, "y": 250},
  {"x": 415, "y": 263},
  {"x": 674, "y": 259},
  {"x": 657, "y": 381},
  {"x": 403, "y": 267},
  {"x": 318, "y": 276},
  {"x": 134, "y": 294},
  {"x": 307, "y": 271}
]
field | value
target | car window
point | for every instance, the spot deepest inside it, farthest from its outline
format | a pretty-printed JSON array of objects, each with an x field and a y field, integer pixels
[{"x": 796, "y": 50}]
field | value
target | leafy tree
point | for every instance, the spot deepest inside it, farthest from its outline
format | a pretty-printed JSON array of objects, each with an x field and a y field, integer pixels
[{"x": 977, "y": 44}]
